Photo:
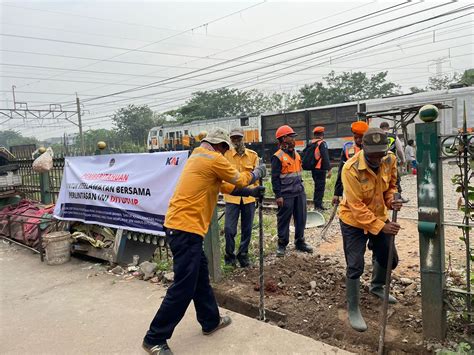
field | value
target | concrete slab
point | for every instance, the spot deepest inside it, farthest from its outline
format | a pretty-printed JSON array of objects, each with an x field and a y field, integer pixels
[{"x": 67, "y": 309}]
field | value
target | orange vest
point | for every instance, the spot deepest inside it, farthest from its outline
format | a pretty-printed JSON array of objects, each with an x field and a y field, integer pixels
[
  {"x": 317, "y": 152},
  {"x": 290, "y": 174},
  {"x": 350, "y": 149}
]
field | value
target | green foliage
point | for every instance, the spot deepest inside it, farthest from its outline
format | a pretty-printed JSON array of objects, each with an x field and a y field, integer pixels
[
  {"x": 441, "y": 82},
  {"x": 134, "y": 122},
  {"x": 346, "y": 87},
  {"x": 11, "y": 137},
  {"x": 461, "y": 349},
  {"x": 468, "y": 77},
  {"x": 226, "y": 102}
]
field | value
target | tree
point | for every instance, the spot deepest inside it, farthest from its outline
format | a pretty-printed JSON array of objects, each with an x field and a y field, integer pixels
[
  {"x": 441, "y": 82},
  {"x": 346, "y": 87},
  {"x": 226, "y": 102},
  {"x": 133, "y": 123},
  {"x": 11, "y": 137},
  {"x": 468, "y": 77},
  {"x": 416, "y": 90}
]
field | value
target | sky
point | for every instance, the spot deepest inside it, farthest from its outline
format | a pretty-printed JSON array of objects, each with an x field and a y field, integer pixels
[{"x": 111, "y": 54}]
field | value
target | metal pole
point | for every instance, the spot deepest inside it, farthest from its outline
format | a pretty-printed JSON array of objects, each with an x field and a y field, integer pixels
[
  {"x": 467, "y": 217},
  {"x": 79, "y": 119},
  {"x": 261, "y": 307},
  {"x": 431, "y": 230},
  {"x": 388, "y": 279}
]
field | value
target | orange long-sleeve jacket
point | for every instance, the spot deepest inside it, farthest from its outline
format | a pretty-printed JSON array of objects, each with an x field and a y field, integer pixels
[
  {"x": 367, "y": 195},
  {"x": 205, "y": 174}
]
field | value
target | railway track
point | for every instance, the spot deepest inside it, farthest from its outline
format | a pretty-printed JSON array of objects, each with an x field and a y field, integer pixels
[{"x": 269, "y": 204}]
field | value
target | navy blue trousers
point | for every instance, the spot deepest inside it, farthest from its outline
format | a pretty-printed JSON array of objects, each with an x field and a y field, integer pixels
[
  {"x": 191, "y": 283},
  {"x": 355, "y": 242},
  {"x": 296, "y": 207},
  {"x": 232, "y": 212},
  {"x": 319, "y": 178}
]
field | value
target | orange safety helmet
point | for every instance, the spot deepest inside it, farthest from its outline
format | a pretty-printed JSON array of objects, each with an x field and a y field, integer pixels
[{"x": 284, "y": 130}]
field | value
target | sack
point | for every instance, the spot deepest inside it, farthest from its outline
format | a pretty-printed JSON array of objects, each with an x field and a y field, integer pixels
[
  {"x": 307, "y": 157},
  {"x": 44, "y": 162}
]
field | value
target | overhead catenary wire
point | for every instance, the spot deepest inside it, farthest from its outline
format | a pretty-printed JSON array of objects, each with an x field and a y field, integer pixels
[
  {"x": 180, "y": 77},
  {"x": 250, "y": 54},
  {"x": 287, "y": 60},
  {"x": 359, "y": 56},
  {"x": 178, "y": 34}
]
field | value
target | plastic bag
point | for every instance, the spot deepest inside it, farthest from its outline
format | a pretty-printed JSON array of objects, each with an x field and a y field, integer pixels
[{"x": 44, "y": 162}]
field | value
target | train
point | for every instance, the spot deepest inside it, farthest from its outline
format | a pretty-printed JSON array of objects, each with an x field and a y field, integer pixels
[{"x": 259, "y": 130}]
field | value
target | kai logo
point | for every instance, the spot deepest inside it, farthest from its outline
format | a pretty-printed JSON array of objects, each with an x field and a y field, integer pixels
[{"x": 172, "y": 161}]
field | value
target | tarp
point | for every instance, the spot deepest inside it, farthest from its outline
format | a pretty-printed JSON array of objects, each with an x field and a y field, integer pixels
[{"x": 129, "y": 191}]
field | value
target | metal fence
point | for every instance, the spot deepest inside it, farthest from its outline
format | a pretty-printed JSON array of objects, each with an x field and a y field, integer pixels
[{"x": 30, "y": 187}]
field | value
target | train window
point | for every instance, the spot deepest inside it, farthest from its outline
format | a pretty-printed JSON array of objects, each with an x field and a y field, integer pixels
[
  {"x": 186, "y": 132},
  {"x": 244, "y": 121},
  {"x": 161, "y": 133}
]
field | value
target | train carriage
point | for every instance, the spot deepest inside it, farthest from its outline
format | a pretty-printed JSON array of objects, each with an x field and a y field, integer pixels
[{"x": 260, "y": 130}]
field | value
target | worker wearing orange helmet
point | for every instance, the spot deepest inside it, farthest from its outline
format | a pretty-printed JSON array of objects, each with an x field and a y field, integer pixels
[
  {"x": 289, "y": 191},
  {"x": 321, "y": 168},
  {"x": 349, "y": 149}
]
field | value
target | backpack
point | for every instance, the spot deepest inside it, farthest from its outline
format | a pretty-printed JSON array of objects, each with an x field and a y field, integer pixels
[{"x": 307, "y": 157}]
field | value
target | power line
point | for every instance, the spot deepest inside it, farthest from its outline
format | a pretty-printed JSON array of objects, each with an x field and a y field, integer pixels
[
  {"x": 177, "y": 77},
  {"x": 174, "y": 35},
  {"x": 283, "y": 61},
  {"x": 118, "y": 21}
]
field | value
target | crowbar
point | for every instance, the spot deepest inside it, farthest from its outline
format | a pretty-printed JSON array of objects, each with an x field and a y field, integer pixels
[{"x": 388, "y": 278}]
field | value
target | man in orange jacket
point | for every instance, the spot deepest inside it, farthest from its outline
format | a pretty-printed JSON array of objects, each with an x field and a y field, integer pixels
[
  {"x": 322, "y": 168},
  {"x": 369, "y": 180},
  {"x": 289, "y": 191},
  {"x": 187, "y": 221},
  {"x": 349, "y": 149}
]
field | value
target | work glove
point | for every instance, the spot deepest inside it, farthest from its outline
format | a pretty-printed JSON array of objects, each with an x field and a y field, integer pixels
[
  {"x": 259, "y": 172},
  {"x": 258, "y": 191}
]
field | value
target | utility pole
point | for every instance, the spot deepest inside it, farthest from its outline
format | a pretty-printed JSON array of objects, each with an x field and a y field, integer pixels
[{"x": 79, "y": 119}]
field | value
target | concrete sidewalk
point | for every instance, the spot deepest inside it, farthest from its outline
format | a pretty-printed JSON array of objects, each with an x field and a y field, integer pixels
[{"x": 67, "y": 309}]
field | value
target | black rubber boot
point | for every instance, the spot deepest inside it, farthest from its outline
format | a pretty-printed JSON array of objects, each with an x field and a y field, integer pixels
[
  {"x": 377, "y": 286},
  {"x": 243, "y": 260},
  {"x": 281, "y": 251},
  {"x": 304, "y": 247},
  {"x": 355, "y": 317}
]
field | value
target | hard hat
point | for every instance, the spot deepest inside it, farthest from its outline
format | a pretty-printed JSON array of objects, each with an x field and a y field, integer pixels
[
  {"x": 284, "y": 130},
  {"x": 218, "y": 135},
  {"x": 359, "y": 127},
  {"x": 318, "y": 129}
]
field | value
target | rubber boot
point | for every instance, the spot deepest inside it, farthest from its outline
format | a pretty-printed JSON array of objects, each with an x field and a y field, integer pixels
[
  {"x": 352, "y": 293},
  {"x": 377, "y": 286}
]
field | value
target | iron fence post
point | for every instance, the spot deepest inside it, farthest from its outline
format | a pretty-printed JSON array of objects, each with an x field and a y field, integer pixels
[
  {"x": 431, "y": 229},
  {"x": 212, "y": 249},
  {"x": 45, "y": 188}
]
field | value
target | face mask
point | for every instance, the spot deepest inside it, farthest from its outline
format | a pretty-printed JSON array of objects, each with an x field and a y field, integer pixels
[
  {"x": 239, "y": 147},
  {"x": 371, "y": 165}
]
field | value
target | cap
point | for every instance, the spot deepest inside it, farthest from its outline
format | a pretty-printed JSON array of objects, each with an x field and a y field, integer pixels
[
  {"x": 236, "y": 132},
  {"x": 217, "y": 135},
  {"x": 359, "y": 127},
  {"x": 375, "y": 140},
  {"x": 318, "y": 129}
]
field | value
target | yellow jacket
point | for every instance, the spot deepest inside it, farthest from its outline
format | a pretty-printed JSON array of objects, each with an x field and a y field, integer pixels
[
  {"x": 246, "y": 162},
  {"x": 366, "y": 194},
  {"x": 204, "y": 175}
]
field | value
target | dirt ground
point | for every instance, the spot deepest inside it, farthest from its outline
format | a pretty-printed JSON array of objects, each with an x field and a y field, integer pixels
[{"x": 320, "y": 313}]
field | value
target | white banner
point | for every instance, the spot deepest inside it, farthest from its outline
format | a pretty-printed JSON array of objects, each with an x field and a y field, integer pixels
[{"x": 129, "y": 191}]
